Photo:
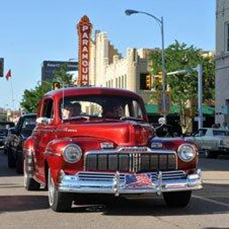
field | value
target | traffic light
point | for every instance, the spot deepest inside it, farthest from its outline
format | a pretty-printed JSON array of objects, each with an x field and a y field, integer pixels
[
  {"x": 1, "y": 67},
  {"x": 148, "y": 82},
  {"x": 160, "y": 77},
  {"x": 55, "y": 85}
]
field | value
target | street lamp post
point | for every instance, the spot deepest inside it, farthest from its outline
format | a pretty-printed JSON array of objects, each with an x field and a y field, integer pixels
[
  {"x": 199, "y": 70},
  {"x": 161, "y": 24}
]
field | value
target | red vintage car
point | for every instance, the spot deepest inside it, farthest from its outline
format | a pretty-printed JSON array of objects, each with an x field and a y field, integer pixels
[{"x": 94, "y": 140}]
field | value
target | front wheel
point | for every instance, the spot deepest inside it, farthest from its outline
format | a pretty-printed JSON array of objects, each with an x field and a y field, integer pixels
[
  {"x": 11, "y": 159},
  {"x": 177, "y": 199},
  {"x": 58, "y": 201}
]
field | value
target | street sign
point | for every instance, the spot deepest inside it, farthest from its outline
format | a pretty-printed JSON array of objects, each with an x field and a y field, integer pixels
[{"x": 164, "y": 109}]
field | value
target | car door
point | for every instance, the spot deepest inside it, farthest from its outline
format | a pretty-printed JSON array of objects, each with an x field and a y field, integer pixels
[
  {"x": 43, "y": 134},
  {"x": 209, "y": 141}
]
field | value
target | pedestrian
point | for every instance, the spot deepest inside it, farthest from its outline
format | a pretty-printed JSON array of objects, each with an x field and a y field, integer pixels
[{"x": 164, "y": 130}]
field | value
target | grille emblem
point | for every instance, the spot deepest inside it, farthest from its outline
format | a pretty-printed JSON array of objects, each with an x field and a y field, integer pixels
[{"x": 136, "y": 157}]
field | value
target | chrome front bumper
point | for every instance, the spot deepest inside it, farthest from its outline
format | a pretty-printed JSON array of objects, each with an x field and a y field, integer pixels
[{"x": 114, "y": 183}]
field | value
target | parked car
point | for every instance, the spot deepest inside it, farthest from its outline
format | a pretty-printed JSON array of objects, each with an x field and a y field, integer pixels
[
  {"x": 107, "y": 148},
  {"x": 4, "y": 126},
  {"x": 211, "y": 141},
  {"x": 15, "y": 141},
  {"x": 8, "y": 139}
]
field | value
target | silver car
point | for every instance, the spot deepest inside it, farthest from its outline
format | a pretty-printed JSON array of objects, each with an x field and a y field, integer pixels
[{"x": 211, "y": 141}]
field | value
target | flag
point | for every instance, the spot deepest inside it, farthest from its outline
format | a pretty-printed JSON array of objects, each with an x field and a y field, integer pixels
[
  {"x": 8, "y": 74},
  {"x": 142, "y": 180}
]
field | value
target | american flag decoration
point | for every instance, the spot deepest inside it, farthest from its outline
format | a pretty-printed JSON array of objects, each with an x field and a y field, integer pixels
[{"x": 142, "y": 180}]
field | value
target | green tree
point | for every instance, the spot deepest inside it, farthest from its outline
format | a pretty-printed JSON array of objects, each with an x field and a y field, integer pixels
[
  {"x": 31, "y": 98},
  {"x": 184, "y": 88}
]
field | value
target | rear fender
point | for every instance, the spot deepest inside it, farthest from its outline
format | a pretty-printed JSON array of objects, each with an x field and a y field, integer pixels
[{"x": 28, "y": 147}]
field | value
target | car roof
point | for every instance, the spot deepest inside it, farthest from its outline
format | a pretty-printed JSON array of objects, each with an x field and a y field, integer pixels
[
  {"x": 209, "y": 128},
  {"x": 91, "y": 90}
]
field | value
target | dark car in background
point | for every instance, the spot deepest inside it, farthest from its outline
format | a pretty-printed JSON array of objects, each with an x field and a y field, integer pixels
[
  {"x": 7, "y": 139},
  {"x": 4, "y": 126},
  {"x": 16, "y": 138}
]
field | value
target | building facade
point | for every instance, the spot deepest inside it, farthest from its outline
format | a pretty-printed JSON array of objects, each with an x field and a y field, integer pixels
[
  {"x": 222, "y": 62},
  {"x": 109, "y": 69}
]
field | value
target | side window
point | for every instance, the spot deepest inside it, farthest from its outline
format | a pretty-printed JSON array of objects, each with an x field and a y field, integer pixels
[
  {"x": 48, "y": 111},
  {"x": 227, "y": 37}
]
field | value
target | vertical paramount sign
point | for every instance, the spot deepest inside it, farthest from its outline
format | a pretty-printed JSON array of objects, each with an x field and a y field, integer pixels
[{"x": 84, "y": 31}]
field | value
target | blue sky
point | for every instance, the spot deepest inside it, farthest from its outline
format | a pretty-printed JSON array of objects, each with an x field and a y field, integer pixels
[{"x": 34, "y": 31}]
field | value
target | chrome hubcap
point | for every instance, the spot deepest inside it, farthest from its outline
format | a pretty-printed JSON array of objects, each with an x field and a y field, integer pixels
[
  {"x": 51, "y": 189},
  {"x": 25, "y": 175}
]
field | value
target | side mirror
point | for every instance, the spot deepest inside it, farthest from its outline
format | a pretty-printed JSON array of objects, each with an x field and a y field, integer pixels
[{"x": 43, "y": 120}]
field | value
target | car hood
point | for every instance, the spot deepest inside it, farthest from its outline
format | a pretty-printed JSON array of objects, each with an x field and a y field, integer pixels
[{"x": 121, "y": 133}]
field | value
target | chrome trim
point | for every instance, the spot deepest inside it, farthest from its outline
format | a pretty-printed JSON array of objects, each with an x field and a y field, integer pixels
[
  {"x": 114, "y": 183},
  {"x": 49, "y": 153},
  {"x": 134, "y": 153},
  {"x": 159, "y": 183}
]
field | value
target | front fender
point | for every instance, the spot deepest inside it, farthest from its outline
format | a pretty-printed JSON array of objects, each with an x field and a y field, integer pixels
[
  {"x": 173, "y": 144},
  {"x": 54, "y": 154}
]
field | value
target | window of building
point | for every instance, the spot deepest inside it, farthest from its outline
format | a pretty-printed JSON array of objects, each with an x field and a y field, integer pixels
[
  {"x": 119, "y": 82},
  {"x": 144, "y": 84},
  {"x": 227, "y": 37}
]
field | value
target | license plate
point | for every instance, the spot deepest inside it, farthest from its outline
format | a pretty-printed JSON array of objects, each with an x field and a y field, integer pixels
[{"x": 139, "y": 180}]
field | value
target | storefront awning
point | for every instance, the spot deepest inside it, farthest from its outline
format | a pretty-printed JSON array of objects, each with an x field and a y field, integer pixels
[{"x": 153, "y": 110}]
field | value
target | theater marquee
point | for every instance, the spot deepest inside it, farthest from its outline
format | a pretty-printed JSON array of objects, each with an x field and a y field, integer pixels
[{"x": 84, "y": 31}]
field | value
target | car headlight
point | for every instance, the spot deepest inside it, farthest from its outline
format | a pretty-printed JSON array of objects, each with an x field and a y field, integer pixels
[
  {"x": 72, "y": 153},
  {"x": 186, "y": 152}
]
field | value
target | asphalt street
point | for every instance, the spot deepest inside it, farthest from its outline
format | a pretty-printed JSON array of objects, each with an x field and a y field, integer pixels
[{"x": 209, "y": 208}]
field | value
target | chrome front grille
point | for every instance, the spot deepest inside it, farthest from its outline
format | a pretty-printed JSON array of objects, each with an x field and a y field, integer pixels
[
  {"x": 131, "y": 162},
  {"x": 93, "y": 176}
]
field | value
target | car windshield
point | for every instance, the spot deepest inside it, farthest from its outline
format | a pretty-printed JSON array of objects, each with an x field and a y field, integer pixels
[
  {"x": 200, "y": 133},
  {"x": 29, "y": 124},
  {"x": 100, "y": 107}
]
